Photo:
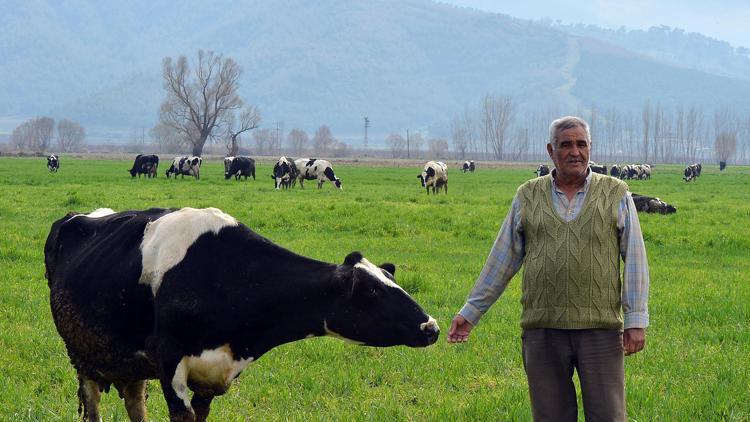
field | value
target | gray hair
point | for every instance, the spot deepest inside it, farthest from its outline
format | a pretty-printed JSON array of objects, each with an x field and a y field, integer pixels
[{"x": 565, "y": 123}]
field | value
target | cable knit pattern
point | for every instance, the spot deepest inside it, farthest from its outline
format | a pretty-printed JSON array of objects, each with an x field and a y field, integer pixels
[{"x": 571, "y": 274}]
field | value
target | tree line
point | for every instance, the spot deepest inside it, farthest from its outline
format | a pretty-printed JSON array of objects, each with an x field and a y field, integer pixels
[{"x": 37, "y": 135}]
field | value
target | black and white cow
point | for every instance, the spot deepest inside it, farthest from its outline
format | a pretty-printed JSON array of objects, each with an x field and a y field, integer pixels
[
  {"x": 434, "y": 175},
  {"x": 285, "y": 173},
  {"x": 238, "y": 167},
  {"x": 542, "y": 170},
  {"x": 53, "y": 163},
  {"x": 312, "y": 169},
  {"x": 692, "y": 172},
  {"x": 614, "y": 171},
  {"x": 192, "y": 296},
  {"x": 144, "y": 164},
  {"x": 598, "y": 168},
  {"x": 652, "y": 205},
  {"x": 186, "y": 166},
  {"x": 468, "y": 166}
]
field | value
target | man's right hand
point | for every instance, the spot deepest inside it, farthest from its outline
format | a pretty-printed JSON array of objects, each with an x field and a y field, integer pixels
[{"x": 460, "y": 329}]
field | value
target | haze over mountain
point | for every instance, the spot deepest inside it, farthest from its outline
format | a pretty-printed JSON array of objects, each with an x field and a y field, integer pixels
[{"x": 404, "y": 64}]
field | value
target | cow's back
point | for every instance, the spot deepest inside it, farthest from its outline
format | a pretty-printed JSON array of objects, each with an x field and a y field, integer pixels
[{"x": 101, "y": 311}]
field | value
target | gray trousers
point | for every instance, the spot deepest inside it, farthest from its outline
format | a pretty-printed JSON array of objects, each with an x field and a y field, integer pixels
[{"x": 550, "y": 356}]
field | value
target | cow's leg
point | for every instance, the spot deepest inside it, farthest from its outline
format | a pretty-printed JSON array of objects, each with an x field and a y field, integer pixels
[
  {"x": 446, "y": 188},
  {"x": 320, "y": 184},
  {"x": 134, "y": 394},
  {"x": 201, "y": 405},
  {"x": 173, "y": 377},
  {"x": 89, "y": 395}
]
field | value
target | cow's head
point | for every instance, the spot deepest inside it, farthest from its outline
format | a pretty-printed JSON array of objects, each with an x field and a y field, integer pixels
[
  {"x": 661, "y": 207},
  {"x": 427, "y": 173},
  {"x": 371, "y": 309}
]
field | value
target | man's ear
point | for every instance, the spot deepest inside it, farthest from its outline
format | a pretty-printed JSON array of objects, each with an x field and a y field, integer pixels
[{"x": 549, "y": 150}]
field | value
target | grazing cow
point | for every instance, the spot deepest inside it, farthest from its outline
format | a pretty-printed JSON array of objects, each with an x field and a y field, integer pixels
[
  {"x": 192, "y": 296},
  {"x": 472, "y": 166},
  {"x": 144, "y": 164},
  {"x": 698, "y": 168},
  {"x": 614, "y": 171},
  {"x": 653, "y": 205},
  {"x": 190, "y": 166},
  {"x": 542, "y": 170},
  {"x": 285, "y": 173},
  {"x": 644, "y": 171},
  {"x": 238, "y": 167},
  {"x": 53, "y": 163},
  {"x": 435, "y": 176},
  {"x": 465, "y": 167},
  {"x": 691, "y": 172},
  {"x": 313, "y": 168},
  {"x": 596, "y": 168}
]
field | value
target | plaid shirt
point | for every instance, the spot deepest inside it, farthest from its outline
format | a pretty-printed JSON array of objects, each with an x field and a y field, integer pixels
[{"x": 507, "y": 254}]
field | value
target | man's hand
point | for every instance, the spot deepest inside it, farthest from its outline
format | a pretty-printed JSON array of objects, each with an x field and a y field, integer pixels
[
  {"x": 633, "y": 340},
  {"x": 460, "y": 329}
]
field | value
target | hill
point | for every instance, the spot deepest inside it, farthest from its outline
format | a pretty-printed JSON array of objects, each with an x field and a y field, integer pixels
[{"x": 404, "y": 64}]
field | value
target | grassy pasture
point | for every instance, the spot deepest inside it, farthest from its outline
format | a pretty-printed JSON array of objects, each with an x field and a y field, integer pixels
[{"x": 696, "y": 365}]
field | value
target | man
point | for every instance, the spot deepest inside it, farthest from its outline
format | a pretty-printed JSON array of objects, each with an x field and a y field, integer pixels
[{"x": 569, "y": 230}]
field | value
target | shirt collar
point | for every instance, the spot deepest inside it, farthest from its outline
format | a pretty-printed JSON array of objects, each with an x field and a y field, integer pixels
[{"x": 584, "y": 188}]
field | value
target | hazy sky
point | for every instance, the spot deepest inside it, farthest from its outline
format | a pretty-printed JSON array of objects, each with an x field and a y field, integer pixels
[{"x": 726, "y": 20}]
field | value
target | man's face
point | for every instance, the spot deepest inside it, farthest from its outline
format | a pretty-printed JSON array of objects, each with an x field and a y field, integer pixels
[{"x": 571, "y": 157}]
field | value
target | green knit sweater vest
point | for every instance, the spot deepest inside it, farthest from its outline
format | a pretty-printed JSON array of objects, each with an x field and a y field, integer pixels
[{"x": 571, "y": 276}]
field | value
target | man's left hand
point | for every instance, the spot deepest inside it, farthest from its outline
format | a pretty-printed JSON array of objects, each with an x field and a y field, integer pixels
[{"x": 633, "y": 340}]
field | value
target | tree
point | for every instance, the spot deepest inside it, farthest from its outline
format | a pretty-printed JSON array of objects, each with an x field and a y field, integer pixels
[
  {"x": 70, "y": 135},
  {"x": 168, "y": 139},
  {"x": 414, "y": 145},
  {"x": 34, "y": 134},
  {"x": 249, "y": 120},
  {"x": 438, "y": 148},
  {"x": 199, "y": 99},
  {"x": 646, "y": 114},
  {"x": 323, "y": 140},
  {"x": 459, "y": 136},
  {"x": 396, "y": 143},
  {"x": 297, "y": 139},
  {"x": 264, "y": 140},
  {"x": 726, "y": 126},
  {"x": 340, "y": 149},
  {"x": 496, "y": 118}
]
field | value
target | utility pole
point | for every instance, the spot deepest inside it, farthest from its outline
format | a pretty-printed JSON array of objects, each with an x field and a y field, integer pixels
[{"x": 367, "y": 125}]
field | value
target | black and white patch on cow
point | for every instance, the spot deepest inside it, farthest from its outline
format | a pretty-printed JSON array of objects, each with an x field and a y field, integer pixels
[
  {"x": 316, "y": 169},
  {"x": 239, "y": 167},
  {"x": 692, "y": 172},
  {"x": 465, "y": 167},
  {"x": 434, "y": 176},
  {"x": 598, "y": 168},
  {"x": 614, "y": 171},
  {"x": 191, "y": 297},
  {"x": 53, "y": 163}
]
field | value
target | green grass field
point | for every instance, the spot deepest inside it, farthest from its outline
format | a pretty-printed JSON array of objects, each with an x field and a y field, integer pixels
[{"x": 696, "y": 365}]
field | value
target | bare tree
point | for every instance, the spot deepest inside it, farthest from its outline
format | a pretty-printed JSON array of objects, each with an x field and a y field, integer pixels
[
  {"x": 496, "y": 118},
  {"x": 199, "y": 99},
  {"x": 438, "y": 148},
  {"x": 726, "y": 126},
  {"x": 460, "y": 136},
  {"x": 264, "y": 140},
  {"x": 70, "y": 135},
  {"x": 323, "y": 140},
  {"x": 296, "y": 140},
  {"x": 693, "y": 130},
  {"x": 34, "y": 134},
  {"x": 646, "y": 114},
  {"x": 415, "y": 144},
  {"x": 168, "y": 139},
  {"x": 396, "y": 143},
  {"x": 340, "y": 149},
  {"x": 249, "y": 120}
]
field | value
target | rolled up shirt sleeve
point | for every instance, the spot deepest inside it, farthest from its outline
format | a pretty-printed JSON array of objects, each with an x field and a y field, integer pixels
[
  {"x": 503, "y": 262},
  {"x": 635, "y": 275}
]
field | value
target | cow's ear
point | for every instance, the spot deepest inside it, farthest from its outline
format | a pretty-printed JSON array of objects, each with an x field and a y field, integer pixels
[
  {"x": 389, "y": 267},
  {"x": 353, "y": 258}
]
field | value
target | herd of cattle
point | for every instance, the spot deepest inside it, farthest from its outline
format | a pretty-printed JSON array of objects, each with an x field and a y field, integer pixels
[{"x": 434, "y": 176}]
